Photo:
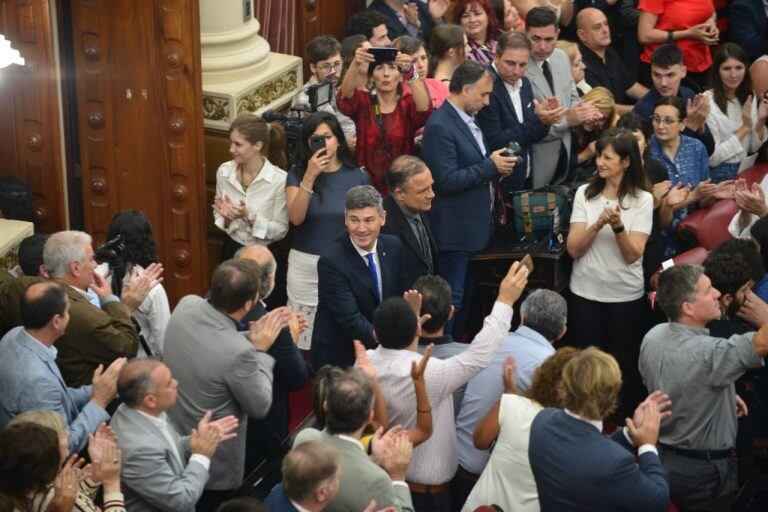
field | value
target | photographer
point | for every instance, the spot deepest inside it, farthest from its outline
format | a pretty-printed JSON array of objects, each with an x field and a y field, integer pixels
[
  {"x": 315, "y": 193},
  {"x": 388, "y": 116},
  {"x": 131, "y": 249},
  {"x": 323, "y": 54}
]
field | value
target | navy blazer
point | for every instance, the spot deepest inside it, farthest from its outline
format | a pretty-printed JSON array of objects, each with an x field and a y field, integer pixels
[
  {"x": 500, "y": 126},
  {"x": 399, "y": 226},
  {"x": 746, "y": 22},
  {"x": 347, "y": 298},
  {"x": 396, "y": 29},
  {"x": 277, "y": 501},
  {"x": 289, "y": 374},
  {"x": 578, "y": 468},
  {"x": 461, "y": 216}
]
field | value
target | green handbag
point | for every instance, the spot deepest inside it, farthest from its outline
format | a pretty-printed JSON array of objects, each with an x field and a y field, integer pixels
[{"x": 535, "y": 209}]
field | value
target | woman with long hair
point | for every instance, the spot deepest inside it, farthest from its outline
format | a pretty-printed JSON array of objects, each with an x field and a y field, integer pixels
[
  {"x": 250, "y": 204},
  {"x": 414, "y": 47},
  {"x": 611, "y": 220},
  {"x": 478, "y": 19},
  {"x": 137, "y": 253},
  {"x": 508, "y": 16},
  {"x": 314, "y": 194},
  {"x": 736, "y": 116},
  {"x": 388, "y": 114},
  {"x": 588, "y": 132},
  {"x": 449, "y": 48}
]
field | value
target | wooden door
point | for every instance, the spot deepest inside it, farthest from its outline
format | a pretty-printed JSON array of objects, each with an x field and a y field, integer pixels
[
  {"x": 30, "y": 133},
  {"x": 323, "y": 17},
  {"x": 139, "y": 111}
]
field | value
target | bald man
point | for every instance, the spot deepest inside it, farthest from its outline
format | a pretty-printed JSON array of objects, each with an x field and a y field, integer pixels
[
  {"x": 29, "y": 377},
  {"x": 161, "y": 470},
  {"x": 290, "y": 371},
  {"x": 604, "y": 66}
]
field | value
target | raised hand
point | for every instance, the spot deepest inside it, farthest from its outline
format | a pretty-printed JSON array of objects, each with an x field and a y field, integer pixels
[
  {"x": 508, "y": 374},
  {"x": 753, "y": 310},
  {"x": 656, "y": 399},
  {"x": 750, "y": 200},
  {"x": 396, "y": 465},
  {"x": 438, "y": 8},
  {"x": 383, "y": 443},
  {"x": 513, "y": 284},
  {"x": 67, "y": 484},
  {"x": 705, "y": 189},
  {"x": 263, "y": 332},
  {"x": 746, "y": 113},
  {"x": 677, "y": 195},
  {"x": 104, "y": 382},
  {"x": 549, "y": 112},
  {"x": 362, "y": 360},
  {"x": 417, "y": 369},
  {"x": 411, "y": 12},
  {"x": 648, "y": 432},
  {"x": 725, "y": 190}
]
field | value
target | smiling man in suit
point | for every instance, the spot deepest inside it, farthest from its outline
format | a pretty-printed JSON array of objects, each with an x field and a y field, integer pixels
[
  {"x": 410, "y": 185},
  {"x": 513, "y": 114},
  {"x": 549, "y": 71},
  {"x": 161, "y": 469},
  {"x": 464, "y": 170},
  {"x": 356, "y": 272}
]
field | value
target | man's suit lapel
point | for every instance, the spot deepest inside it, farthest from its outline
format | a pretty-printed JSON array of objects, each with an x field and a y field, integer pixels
[
  {"x": 463, "y": 128},
  {"x": 501, "y": 95},
  {"x": 405, "y": 230},
  {"x": 386, "y": 275},
  {"x": 359, "y": 266},
  {"x": 178, "y": 465},
  {"x": 538, "y": 82}
]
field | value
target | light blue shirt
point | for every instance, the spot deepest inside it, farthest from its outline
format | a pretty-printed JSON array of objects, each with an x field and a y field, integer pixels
[
  {"x": 472, "y": 125},
  {"x": 529, "y": 349},
  {"x": 30, "y": 380}
]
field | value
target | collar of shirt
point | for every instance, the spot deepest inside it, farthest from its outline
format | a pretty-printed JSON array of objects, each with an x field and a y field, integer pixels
[
  {"x": 39, "y": 347},
  {"x": 595, "y": 423},
  {"x": 297, "y": 506},
  {"x": 470, "y": 120},
  {"x": 532, "y": 335},
  {"x": 510, "y": 88},
  {"x": 688, "y": 329},
  {"x": 440, "y": 340},
  {"x": 362, "y": 252},
  {"x": 89, "y": 294},
  {"x": 411, "y": 216},
  {"x": 267, "y": 173},
  {"x": 351, "y": 440},
  {"x": 160, "y": 421}
]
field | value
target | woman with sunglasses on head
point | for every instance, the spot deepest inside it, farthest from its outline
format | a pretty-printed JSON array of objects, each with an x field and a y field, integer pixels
[
  {"x": 315, "y": 192},
  {"x": 388, "y": 115},
  {"x": 736, "y": 116}
]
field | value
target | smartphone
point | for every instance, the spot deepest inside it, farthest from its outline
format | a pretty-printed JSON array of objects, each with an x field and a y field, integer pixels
[
  {"x": 383, "y": 54},
  {"x": 513, "y": 149},
  {"x": 527, "y": 261},
  {"x": 316, "y": 143}
]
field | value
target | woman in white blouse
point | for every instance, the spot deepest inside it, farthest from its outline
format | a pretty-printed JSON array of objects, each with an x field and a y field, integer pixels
[
  {"x": 250, "y": 199},
  {"x": 611, "y": 220},
  {"x": 736, "y": 117}
]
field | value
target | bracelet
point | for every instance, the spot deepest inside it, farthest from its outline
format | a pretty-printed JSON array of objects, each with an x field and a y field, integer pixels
[
  {"x": 618, "y": 230},
  {"x": 422, "y": 411},
  {"x": 670, "y": 36},
  {"x": 414, "y": 78},
  {"x": 305, "y": 189}
]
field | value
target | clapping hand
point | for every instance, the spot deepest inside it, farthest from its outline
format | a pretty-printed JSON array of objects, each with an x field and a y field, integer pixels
[
  {"x": 67, "y": 484},
  {"x": 751, "y": 201},
  {"x": 549, "y": 111},
  {"x": 263, "y": 332},
  {"x": 508, "y": 374},
  {"x": 105, "y": 456},
  {"x": 725, "y": 190},
  {"x": 741, "y": 407},
  {"x": 697, "y": 113},
  {"x": 753, "y": 310},
  {"x": 224, "y": 207},
  {"x": 139, "y": 285},
  {"x": 677, "y": 195},
  {"x": 705, "y": 189}
]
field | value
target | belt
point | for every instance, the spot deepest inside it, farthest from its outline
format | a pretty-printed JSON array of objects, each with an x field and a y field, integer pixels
[
  {"x": 467, "y": 474},
  {"x": 428, "y": 489},
  {"x": 706, "y": 455}
]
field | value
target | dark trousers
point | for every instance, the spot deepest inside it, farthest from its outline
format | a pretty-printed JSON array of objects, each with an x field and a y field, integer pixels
[
  {"x": 210, "y": 500},
  {"x": 699, "y": 485},
  {"x": 617, "y": 328},
  {"x": 461, "y": 486},
  {"x": 431, "y": 502},
  {"x": 454, "y": 268}
]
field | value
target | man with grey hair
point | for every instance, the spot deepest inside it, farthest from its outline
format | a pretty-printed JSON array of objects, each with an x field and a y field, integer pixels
[
  {"x": 409, "y": 201},
  {"x": 100, "y": 330},
  {"x": 161, "y": 470},
  {"x": 698, "y": 372},
  {"x": 543, "y": 316},
  {"x": 264, "y": 436},
  {"x": 356, "y": 272}
]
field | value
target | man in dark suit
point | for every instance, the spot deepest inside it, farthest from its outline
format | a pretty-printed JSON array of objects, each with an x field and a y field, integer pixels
[
  {"x": 576, "y": 468},
  {"x": 410, "y": 199},
  {"x": 458, "y": 155},
  {"x": 513, "y": 114},
  {"x": 408, "y": 18},
  {"x": 311, "y": 478},
  {"x": 290, "y": 372},
  {"x": 746, "y": 25},
  {"x": 355, "y": 273}
]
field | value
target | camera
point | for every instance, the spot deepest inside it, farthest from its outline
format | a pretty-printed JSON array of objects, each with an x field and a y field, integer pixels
[
  {"x": 111, "y": 252},
  {"x": 513, "y": 149}
]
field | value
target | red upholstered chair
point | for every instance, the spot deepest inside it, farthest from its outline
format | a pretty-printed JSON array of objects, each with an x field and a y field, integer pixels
[
  {"x": 697, "y": 255},
  {"x": 708, "y": 227}
]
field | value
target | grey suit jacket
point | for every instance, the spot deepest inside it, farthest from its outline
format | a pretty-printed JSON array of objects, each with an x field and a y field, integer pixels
[
  {"x": 363, "y": 479},
  {"x": 545, "y": 153},
  {"x": 154, "y": 478},
  {"x": 218, "y": 370},
  {"x": 30, "y": 380}
]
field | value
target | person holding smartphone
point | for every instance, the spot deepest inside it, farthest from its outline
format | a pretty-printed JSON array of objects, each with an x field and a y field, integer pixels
[
  {"x": 315, "y": 192},
  {"x": 388, "y": 115}
]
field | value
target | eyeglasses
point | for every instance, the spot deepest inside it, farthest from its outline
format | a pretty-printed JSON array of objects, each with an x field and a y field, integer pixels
[
  {"x": 664, "y": 121},
  {"x": 329, "y": 66}
]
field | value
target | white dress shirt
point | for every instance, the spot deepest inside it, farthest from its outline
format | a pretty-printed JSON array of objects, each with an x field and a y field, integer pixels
[
  {"x": 267, "y": 219},
  {"x": 514, "y": 94},
  {"x": 435, "y": 461},
  {"x": 363, "y": 254},
  {"x": 161, "y": 422}
]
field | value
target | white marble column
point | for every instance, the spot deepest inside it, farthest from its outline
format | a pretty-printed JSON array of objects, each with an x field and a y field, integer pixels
[{"x": 240, "y": 74}]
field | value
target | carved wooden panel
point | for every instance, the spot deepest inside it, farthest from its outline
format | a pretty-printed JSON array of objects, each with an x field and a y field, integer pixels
[
  {"x": 30, "y": 136},
  {"x": 323, "y": 17},
  {"x": 139, "y": 97}
]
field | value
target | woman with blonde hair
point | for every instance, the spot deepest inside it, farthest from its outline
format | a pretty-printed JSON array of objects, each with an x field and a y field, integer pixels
[
  {"x": 588, "y": 133},
  {"x": 571, "y": 49},
  {"x": 37, "y": 476}
]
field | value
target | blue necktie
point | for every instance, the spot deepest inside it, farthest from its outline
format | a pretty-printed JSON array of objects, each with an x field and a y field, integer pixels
[{"x": 372, "y": 268}]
